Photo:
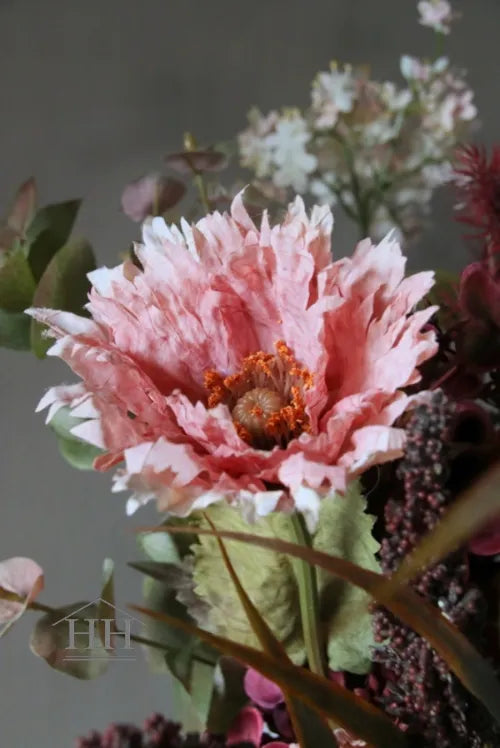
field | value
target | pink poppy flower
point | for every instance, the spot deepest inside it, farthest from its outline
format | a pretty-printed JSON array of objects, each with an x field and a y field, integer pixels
[{"x": 242, "y": 363}]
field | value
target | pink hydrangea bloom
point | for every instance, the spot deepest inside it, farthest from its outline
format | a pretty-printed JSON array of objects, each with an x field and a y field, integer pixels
[{"x": 242, "y": 363}]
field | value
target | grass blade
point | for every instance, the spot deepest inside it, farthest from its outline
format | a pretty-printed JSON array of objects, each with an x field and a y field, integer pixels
[
  {"x": 304, "y": 724},
  {"x": 468, "y": 514},
  {"x": 323, "y": 696},
  {"x": 462, "y": 658}
]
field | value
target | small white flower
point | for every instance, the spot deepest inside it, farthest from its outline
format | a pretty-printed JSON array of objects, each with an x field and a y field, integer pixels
[
  {"x": 394, "y": 98},
  {"x": 288, "y": 146},
  {"x": 333, "y": 92},
  {"x": 436, "y": 14},
  {"x": 255, "y": 151}
]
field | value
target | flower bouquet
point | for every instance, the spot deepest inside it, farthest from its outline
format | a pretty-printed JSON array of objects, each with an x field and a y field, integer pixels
[{"x": 319, "y": 433}]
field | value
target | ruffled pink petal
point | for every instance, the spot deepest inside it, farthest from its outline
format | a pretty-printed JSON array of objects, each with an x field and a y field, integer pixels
[{"x": 209, "y": 295}]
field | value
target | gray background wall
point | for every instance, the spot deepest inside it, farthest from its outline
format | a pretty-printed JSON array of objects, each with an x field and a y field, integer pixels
[{"x": 92, "y": 94}]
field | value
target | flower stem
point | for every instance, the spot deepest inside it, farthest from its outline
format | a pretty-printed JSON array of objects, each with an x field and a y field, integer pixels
[
  {"x": 308, "y": 598},
  {"x": 202, "y": 190}
]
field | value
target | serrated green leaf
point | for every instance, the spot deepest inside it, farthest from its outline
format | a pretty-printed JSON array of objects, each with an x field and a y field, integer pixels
[
  {"x": 268, "y": 579},
  {"x": 17, "y": 284},
  {"x": 345, "y": 530},
  {"x": 308, "y": 726},
  {"x": 63, "y": 285},
  {"x": 48, "y": 232},
  {"x": 50, "y": 640},
  {"x": 15, "y": 330},
  {"x": 476, "y": 674}
]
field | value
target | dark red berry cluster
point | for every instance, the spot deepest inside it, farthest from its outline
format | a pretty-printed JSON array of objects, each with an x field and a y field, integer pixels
[
  {"x": 157, "y": 732},
  {"x": 420, "y": 692}
]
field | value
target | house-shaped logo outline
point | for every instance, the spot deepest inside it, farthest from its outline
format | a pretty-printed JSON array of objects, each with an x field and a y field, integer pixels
[{"x": 98, "y": 600}]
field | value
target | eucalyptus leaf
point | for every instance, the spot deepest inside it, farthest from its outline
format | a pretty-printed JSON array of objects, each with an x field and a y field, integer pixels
[
  {"x": 51, "y": 640},
  {"x": 17, "y": 284},
  {"x": 23, "y": 208},
  {"x": 77, "y": 453},
  {"x": 48, "y": 232},
  {"x": 63, "y": 285},
  {"x": 15, "y": 330}
]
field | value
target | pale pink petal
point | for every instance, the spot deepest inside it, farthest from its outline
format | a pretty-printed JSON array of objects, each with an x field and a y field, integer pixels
[
  {"x": 261, "y": 690},
  {"x": 23, "y": 577},
  {"x": 219, "y": 295},
  {"x": 246, "y": 728}
]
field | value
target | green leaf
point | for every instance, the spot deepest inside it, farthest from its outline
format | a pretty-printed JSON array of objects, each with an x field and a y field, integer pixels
[
  {"x": 166, "y": 573},
  {"x": 161, "y": 598},
  {"x": 307, "y": 726},
  {"x": 345, "y": 530},
  {"x": 268, "y": 579},
  {"x": 15, "y": 330},
  {"x": 320, "y": 694},
  {"x": 63, "y": 285},
  {"x": 469, "y": 666},
  {"x": 51, "y": 641},
  {"x": 17, "y": 284},
  {"x": 159, "y": 547},
  {"x": 48, "y": 232},
  {"x": 228, "y": 695},
  {"x": 77, "y": 453},
  {"x": 180, "y": 663}
]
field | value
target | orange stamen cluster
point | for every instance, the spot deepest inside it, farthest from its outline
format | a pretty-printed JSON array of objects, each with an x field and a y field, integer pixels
[{"x": 265, "y": 397}]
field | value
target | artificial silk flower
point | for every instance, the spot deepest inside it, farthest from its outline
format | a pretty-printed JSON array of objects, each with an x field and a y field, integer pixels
[
  {"x": 436, "y": 14},
  {"x": 242, "y": 363}
]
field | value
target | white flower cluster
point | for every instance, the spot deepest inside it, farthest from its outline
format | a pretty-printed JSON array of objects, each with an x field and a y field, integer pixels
[
  {"x": 275, "y": 146},
  {"x": 377, "y": 148}
]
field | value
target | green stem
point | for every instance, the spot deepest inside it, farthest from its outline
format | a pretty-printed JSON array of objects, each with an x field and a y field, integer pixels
[
  {"x": 308, "y": 598},
  {"x": 202, "y": 190}
]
